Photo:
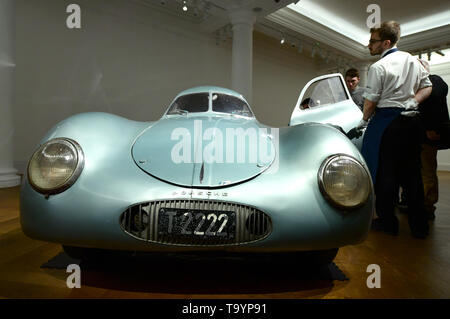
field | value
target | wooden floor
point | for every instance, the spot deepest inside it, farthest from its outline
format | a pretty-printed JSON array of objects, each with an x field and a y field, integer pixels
[{"x": 410, "y": 268}]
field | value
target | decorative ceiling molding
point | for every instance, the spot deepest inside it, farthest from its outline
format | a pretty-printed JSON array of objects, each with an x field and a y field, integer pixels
[
  {"x": 308, "y": 27},
  {"x": 288, "y": 18},
  {"x": 261, "y": 8},
  {"x": 433, "y": 38}
]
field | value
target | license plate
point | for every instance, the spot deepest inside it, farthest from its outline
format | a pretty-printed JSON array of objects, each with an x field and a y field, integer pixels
[{"x": 200, "y": 224}]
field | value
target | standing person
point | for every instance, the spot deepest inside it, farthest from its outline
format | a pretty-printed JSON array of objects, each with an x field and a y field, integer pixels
[
  {"x": 305, "y": 103},
  {"x": 352, "y": 81},
  {"x": 434, "y": 113},
  {"x": 396, "y": 84}
]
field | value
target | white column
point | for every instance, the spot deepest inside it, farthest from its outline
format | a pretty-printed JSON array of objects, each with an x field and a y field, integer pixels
[
  {"x": 363, "y": 69},
  {"x": 242, "y": 56},
  {"x": 8, "y": 177}
]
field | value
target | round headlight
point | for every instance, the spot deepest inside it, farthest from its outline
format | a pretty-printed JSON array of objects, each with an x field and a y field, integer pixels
[
  {"x": 344, "y": 181},
  {"x": 55, "y": 166}
]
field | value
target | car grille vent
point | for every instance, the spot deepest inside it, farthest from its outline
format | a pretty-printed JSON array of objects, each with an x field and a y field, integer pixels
[{"x": 245, "y": 224}]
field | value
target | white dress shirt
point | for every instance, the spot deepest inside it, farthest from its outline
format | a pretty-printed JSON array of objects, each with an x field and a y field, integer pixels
[{"x": 395, "y": 79}]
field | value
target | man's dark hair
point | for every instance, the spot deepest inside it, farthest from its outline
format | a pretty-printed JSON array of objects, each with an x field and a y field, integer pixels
[
  {"x": 352, "y": 73},
  {"x": 388, "y": 30},
  {"x": 306, "y": 101}
]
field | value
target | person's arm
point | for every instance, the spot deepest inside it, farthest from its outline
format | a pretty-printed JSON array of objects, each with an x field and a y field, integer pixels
[
  {"x": 433, "y": 135},
  {"x": 423, "y": 94},
  {"x": 425, "y": 86},
  {"x": 420, "y": 96},
  {"x": 369, "y": 109},
  {"x": 372, "y": 93}
]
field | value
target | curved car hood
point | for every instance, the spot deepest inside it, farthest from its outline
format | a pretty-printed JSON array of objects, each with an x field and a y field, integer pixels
[{"x": 204, "y": 151}]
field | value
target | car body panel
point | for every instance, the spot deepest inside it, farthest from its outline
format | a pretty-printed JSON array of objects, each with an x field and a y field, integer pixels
[
  {"x": 344, "y": 114},
  {"x": 156, "y": 149}
]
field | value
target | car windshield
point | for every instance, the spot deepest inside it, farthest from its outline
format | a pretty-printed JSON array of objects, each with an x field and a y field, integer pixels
[
  {"x": 190, "y": 103},
  {"x": 224, "y": 103}
]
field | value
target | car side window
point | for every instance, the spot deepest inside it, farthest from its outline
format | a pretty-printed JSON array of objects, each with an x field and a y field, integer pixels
[{"x": 324, "y": 92}]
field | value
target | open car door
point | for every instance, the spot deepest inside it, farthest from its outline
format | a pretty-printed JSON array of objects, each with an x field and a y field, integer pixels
[{"x": 326, "y": 100}]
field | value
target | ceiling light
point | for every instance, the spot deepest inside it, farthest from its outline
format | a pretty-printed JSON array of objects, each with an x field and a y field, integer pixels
[{"x": 185, "y": 8}]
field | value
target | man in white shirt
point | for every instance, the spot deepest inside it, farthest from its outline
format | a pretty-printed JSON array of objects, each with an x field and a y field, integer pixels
[{"x": 396, "y": 84}]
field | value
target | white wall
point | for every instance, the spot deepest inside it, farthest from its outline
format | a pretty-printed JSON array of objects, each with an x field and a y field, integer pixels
[
  {"x": 279, "y": 75},
  {"x": 131, "y": 61},
  {"x": 443, "y": 70}
]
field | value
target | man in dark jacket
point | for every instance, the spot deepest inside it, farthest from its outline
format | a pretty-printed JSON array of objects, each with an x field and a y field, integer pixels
[{"x": 434, "y": 113}]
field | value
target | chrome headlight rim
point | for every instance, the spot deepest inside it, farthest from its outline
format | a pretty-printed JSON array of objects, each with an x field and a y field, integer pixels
[
  {"x": 320, "y": 177},
  {"x": 75, "y": 174}
]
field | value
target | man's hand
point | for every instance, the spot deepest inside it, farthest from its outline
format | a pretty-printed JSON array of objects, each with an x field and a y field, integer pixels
[
  {"x": 411, "y": 105},
  {"x": 362, "y": 124},
  {"x": 433, "y": 135}
]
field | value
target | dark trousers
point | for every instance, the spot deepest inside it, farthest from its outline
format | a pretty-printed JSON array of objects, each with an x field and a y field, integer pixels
[
  {"x": 429, "y": 177},
  {"x": 399, "y": 164}
]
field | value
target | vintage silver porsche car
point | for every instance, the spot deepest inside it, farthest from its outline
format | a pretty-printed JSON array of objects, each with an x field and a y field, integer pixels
[{"x": 207, "y": 176}]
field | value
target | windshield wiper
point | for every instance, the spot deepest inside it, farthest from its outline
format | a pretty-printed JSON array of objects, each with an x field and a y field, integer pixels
[{"x": 182, "y": 111}]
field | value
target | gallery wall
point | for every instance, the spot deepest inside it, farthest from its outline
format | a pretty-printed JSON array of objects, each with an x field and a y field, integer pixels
[{"x": 132, "y": 60}]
